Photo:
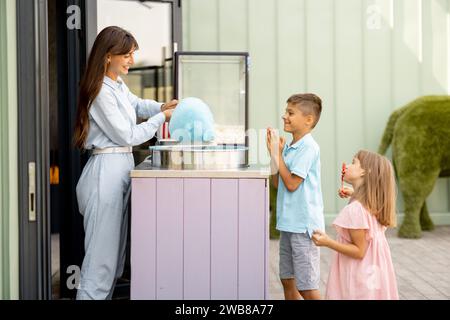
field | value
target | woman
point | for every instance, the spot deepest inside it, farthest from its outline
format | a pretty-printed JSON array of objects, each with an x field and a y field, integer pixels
[{"x": 106, "y": 124}]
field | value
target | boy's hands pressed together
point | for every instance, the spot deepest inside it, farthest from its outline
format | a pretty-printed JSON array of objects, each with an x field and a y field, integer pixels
[
  {"x": 275, "y": 144},
  {"x": 281, "y": 144},
  {"x": 269, "y": 141}
]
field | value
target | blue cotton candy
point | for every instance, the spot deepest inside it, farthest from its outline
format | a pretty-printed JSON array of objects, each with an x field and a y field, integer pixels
[{"x": 192, "y": 121}]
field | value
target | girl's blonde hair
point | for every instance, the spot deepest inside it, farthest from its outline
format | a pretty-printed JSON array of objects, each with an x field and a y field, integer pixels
[{"x": 377, "y": 192}]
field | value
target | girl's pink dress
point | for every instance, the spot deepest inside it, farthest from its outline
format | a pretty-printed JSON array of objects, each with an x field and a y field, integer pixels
[{"x": 373, "y": 277}]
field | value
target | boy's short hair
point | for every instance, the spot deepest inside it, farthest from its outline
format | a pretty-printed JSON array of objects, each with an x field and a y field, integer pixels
[{"x": 309, "y": 104}]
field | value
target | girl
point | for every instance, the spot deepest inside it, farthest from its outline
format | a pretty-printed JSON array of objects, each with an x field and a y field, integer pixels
[
  {"x": 106, "y": 125},
  {"x": 362, "y": 267}
]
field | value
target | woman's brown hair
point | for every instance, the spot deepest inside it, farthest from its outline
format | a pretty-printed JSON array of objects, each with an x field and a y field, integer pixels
[
  {"x": 377, "y": 192},
  {"x": 111, "y": 40}
]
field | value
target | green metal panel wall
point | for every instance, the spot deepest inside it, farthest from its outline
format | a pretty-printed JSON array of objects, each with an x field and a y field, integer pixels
[
  {"x": 365, "y": 58},
  {"x": 9, "y": 266}
]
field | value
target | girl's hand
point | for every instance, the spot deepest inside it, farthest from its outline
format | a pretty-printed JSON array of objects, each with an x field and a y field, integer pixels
[
  {"x": 345, "y": 192},
  {"x": 169, "y": 105},
  {"x": 168, "y": 113},
  {"x": 320, "y": 238}
]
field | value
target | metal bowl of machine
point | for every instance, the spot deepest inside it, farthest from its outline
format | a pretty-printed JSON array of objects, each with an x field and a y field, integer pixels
[
  {"x": 167, "y": 142},
  {"x": 198, "y": 157}
]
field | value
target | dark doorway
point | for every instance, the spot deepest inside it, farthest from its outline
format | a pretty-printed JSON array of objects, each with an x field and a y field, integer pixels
[
  {"x": 51, "y": 59},
  {"x": 67, "y": 59},
  {"x": 67, "y": 55}
]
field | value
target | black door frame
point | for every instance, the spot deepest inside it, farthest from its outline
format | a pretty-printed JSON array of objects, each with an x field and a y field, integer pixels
[
  {"x": 34, "y": 231},
  {"x": 34, "y": 138}
]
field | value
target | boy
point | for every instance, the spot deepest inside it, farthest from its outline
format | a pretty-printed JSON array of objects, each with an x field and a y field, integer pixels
[{"x": 299, "y": 198}]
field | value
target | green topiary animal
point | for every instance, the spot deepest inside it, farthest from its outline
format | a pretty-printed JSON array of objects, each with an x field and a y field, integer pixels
[{"x": 420, "y": 137}]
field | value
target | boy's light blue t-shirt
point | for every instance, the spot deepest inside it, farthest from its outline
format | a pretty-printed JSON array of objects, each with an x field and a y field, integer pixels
[{"x": 302, "y": 210}]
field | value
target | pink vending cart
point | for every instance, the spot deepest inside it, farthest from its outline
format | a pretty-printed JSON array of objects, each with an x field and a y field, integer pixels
[
  {"x": 200, "y": 213},
  {"x": 199, "y": 234}
]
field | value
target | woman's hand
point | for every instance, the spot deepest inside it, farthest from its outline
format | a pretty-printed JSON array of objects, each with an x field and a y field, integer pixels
[
  {"x": 168, "y": 113},
  {"x": 320, "y": 238},
  {"x": 345, "y": 192},
  {"x": 169, "y": 105}
]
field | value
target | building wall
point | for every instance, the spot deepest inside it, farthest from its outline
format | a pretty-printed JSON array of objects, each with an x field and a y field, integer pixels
[
  {"x": 9, "y": 230},
  {"x": 364, "y": 58}
]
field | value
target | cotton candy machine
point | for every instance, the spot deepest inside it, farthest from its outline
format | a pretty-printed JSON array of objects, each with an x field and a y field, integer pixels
[
  {"x": 200, "y": 157},
  {"x": 221, "y": 81}
]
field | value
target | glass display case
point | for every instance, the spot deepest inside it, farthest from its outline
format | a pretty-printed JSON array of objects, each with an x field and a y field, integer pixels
[{"x": 221, "y": 81}]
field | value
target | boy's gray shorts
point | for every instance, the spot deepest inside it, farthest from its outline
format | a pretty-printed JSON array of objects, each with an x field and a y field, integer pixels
[{"x": 300, "y": 260}]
